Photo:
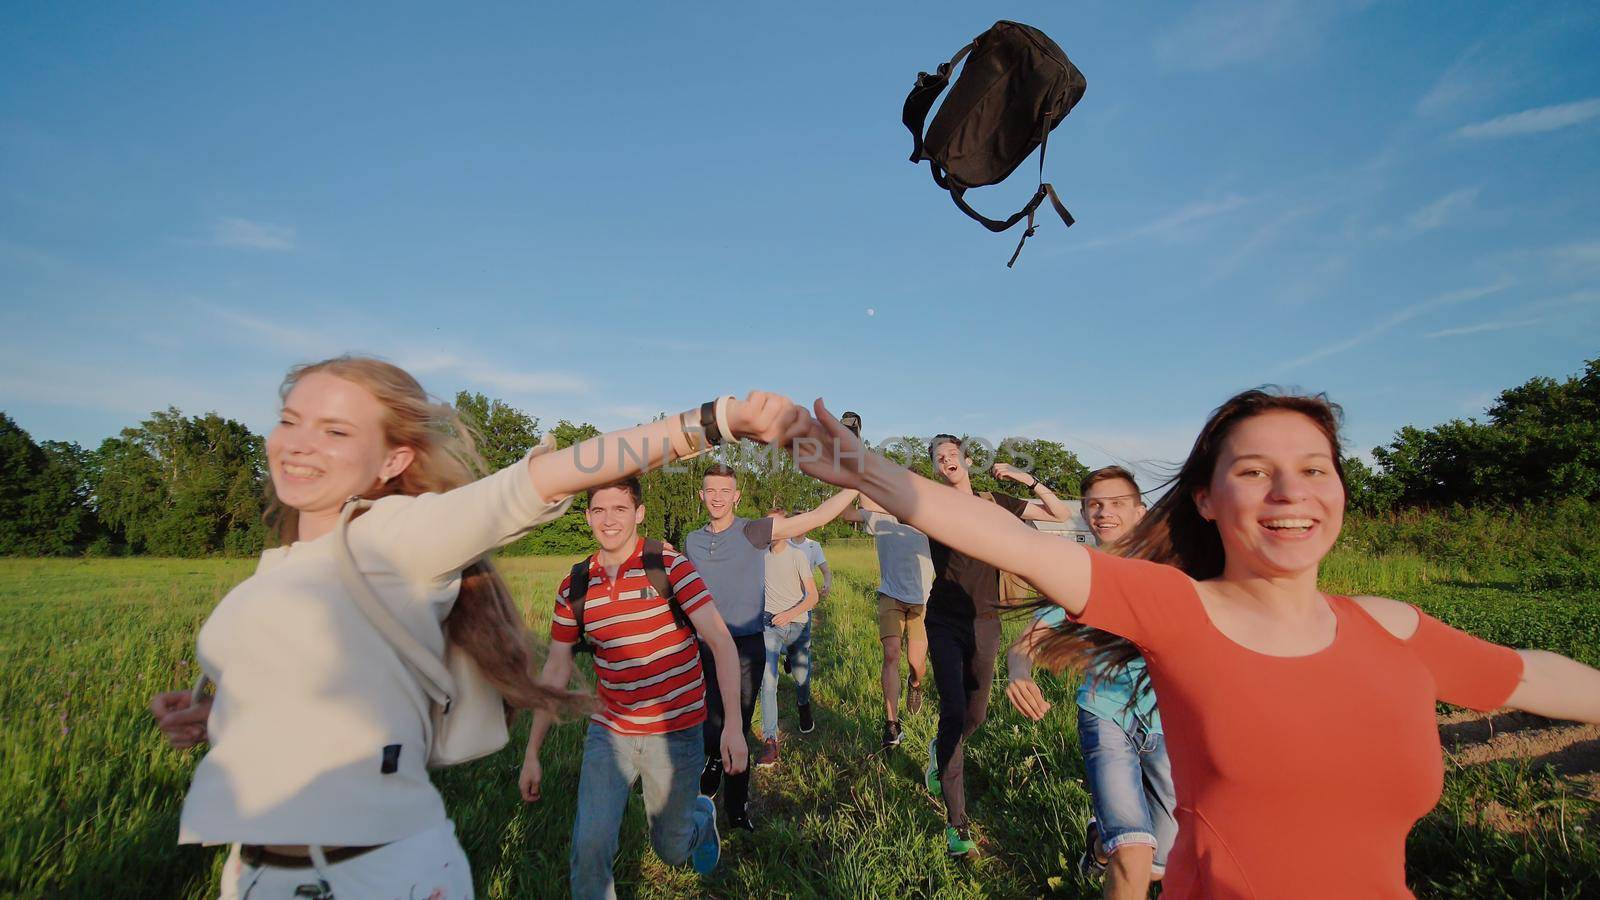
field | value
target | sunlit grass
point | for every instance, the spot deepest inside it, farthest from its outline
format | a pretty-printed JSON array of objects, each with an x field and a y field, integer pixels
[{"x": 90, "y": 795}]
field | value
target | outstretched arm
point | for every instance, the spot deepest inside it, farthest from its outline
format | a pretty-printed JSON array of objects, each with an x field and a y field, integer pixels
[
  {"x": 1060, "y": 570},
  {"x": 1557, "y": 687},
  {"x": 796, "y": 525},
  {"x": 618, "y": 454}
]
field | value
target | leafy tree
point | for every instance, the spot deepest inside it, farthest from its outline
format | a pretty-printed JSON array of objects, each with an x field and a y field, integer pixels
[
  {"x": 20, "y": 463},
  {"x": 183, "y": 486},
  {"x": 1367, "y": 490},
  {"x": 43, "y": 495},
  {"x": 504, "y": 433},
  {"x": 1540, "y": 442}
]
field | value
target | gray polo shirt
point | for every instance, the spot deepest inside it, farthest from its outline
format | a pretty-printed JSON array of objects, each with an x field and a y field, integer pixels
[{"x": 733, "y": 564}]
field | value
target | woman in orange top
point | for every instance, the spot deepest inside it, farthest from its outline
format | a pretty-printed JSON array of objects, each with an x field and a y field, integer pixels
[{"x": 1300, "y": 725}]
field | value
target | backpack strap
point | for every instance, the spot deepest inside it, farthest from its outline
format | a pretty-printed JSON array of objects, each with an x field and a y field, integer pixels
[
  {"x": 655, "y": 568},
  {"x": 1046, "y": 190},
  {"x": 577, "y": 594},
  {"x": 920, "y": 100}
]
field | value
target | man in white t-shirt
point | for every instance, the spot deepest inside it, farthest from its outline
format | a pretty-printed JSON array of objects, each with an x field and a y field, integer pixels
[
  {"x": 790, "y": 594},
  {"x": 818, "y": 560},
  {"x": 905, "y": 567}
]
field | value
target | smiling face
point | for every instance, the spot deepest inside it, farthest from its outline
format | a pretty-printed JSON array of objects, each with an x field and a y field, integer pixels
[
  {"x": 948, "y": 462},
  {"x": 614, "y": 518},
  {"x": 1112, "y": 507},
  {"x": 1275, "y": 496},
  {"x": 329, "y": 445},
  {"x": 720, "y": 494}
]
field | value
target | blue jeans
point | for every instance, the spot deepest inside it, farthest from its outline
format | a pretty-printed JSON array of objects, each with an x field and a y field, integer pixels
[
  {"x": 795, "y": 640},
  {"x": 669, "y": 766},
  {"x": 1130, "y": 784}
]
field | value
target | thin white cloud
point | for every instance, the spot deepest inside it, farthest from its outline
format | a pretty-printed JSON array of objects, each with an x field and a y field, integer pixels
[
  {"x": 1484, "y": 327},
  {"x": 1230, "y": 32},
  {"x": 1465, "y": 78},
  {"x": 1533, "y": 121},
  {"x": 28, "y": 378},
  {"x": 1395, "y": 319},
  {"x": 1261, "y": 237},
  {"x": 1223, "y": 33},
  {"x": 1565, "y": 301},
  {"x": 429, "y": 362},
  {"x": 1175, "y": 223},
  {"x": 1441, "y": 212},
  {"x": 247, "y": 235},
  {"x": 1580, "y": 255},
  {"x": 303, "y": 342}
]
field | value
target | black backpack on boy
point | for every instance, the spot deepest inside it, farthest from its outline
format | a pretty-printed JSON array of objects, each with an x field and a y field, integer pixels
[
  {"x": 655, "y": 568},
  {"x": 1017, "y": 85}
]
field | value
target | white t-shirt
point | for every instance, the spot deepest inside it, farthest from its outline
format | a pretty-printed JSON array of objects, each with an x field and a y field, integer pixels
[
  {"x": 813, "y": 551},
  {"x": 905, "y": 564},
  {"x": 787, "y": 571}
]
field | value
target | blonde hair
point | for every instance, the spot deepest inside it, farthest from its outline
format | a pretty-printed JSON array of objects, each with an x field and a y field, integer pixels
[{"x": 485, "y": 621}]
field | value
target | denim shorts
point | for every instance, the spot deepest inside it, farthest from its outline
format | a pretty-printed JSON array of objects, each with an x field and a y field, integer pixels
[{"x": 1130, "y": 783}]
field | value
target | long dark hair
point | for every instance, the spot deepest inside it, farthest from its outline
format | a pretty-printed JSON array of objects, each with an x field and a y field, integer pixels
[{"x": 1174, "y": 533}]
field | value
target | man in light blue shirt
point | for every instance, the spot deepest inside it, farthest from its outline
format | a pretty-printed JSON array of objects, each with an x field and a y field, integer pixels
[{"x": 1119, "y": 726}]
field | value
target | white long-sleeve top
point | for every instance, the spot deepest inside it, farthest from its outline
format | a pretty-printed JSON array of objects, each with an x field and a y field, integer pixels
[{"x": 309, "y": 694}]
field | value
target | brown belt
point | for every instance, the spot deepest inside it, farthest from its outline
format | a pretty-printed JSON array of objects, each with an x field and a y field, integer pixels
[{"x": 258, "y": 856}]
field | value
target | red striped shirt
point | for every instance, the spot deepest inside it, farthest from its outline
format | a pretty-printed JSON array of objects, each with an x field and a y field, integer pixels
[{"x": 646, "y": 664}]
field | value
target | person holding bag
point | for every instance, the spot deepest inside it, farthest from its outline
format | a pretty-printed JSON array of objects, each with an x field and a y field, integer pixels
[{"x": 328, "y": 709}]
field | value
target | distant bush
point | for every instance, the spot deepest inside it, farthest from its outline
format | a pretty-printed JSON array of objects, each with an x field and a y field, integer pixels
[{"x": 1554, "y": 545}]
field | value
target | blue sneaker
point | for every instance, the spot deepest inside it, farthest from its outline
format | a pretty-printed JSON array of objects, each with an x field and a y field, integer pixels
[
  {"x": 706, "y": 854},
  {"x": 932, "y": 775}
]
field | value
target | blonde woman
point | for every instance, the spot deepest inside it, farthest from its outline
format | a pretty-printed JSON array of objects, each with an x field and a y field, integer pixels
[{"x": 317, "y": 768}]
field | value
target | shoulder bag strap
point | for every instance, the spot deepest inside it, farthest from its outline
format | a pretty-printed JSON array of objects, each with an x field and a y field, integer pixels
[{"x": 429, "y": 669}]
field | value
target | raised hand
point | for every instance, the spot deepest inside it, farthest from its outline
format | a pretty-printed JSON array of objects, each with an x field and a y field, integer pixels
[
  {"x": 824, "y": 449},
  {"x": 761, "y": 416},
  {"x": 1012, "y": 473}
]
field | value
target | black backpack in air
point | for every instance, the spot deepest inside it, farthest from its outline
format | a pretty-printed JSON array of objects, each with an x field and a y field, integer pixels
[
  {"x": 1017, "y": 85},
  {"x": 655, "y": 568}
]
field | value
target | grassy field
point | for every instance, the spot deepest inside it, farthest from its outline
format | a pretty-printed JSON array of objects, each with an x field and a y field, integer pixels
[{"x": 90, "y": 794}]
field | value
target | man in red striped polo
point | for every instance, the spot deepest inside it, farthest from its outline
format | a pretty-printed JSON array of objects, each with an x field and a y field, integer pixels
[{"x": 652, "y": 698}]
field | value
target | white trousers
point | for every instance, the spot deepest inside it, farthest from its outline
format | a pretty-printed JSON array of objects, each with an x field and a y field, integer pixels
[{"x": 429, "y": 865}]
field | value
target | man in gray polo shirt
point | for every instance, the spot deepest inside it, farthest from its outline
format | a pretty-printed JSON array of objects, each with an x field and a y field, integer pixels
[{"x": 730, "y": 553}]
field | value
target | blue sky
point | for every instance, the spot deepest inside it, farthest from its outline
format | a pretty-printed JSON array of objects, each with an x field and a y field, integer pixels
[{"x": 601, "y": 212}]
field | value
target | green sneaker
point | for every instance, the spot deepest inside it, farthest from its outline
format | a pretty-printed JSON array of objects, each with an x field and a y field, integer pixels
[
  {"x": 959, "y": 842},
  {"x": 932, "y": 775}
]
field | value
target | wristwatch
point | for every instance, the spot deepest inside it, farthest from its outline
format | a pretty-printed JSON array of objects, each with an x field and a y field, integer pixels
[{"x": 708, "y": 423}]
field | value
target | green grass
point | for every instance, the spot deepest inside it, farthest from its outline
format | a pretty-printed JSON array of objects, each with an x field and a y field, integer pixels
[{"x": 90, "y": 794}]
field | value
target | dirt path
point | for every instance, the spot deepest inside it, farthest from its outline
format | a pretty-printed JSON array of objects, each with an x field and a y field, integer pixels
[
  {"x": 1474, "y": 738},
  {"x": 1573, "y": 750}
]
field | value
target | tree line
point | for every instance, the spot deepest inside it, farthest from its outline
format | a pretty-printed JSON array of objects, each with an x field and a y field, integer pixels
[{"x": 180, "y": 485}]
